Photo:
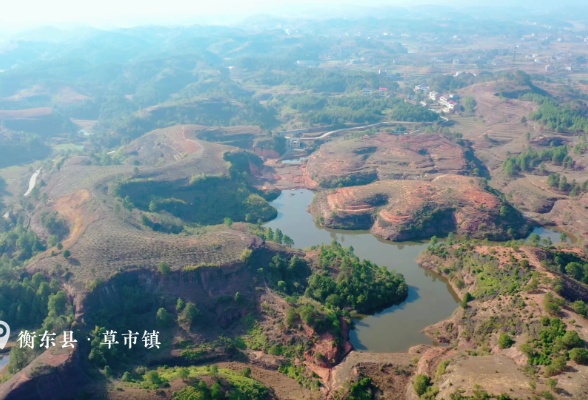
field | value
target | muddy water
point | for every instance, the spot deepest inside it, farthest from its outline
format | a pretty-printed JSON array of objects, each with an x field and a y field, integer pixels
[{"x": 395, "y": 329}]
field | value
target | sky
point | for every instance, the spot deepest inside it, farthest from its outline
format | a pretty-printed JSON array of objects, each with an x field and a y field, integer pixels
[
  {"x": 26, "y": 14},
  {"x": 31, "y": 13}
]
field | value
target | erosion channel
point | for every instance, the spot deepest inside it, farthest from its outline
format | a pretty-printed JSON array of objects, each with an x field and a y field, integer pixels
[{"x": 394, "y": 329}]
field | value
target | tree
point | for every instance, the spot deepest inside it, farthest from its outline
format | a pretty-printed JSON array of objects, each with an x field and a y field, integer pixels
[
  {"x": 575, "y": 270},
  {"x": 164, "y": 268},
  {"x": 213, "y": 370},
  {"x": 466, "y": 299},
  {"x": 108, "y": 371},
  {"x": 434, "y": 240},
  {"x": 571, "y": 339},
  {"x": 469, "y": 104},
  {"x": 579, "y": 356},
  {"x": 57, "y": 303},
  {"x": 238, "y": 297},
  {"x": 563, "y": 237},
  {"x": 563, "y": 184},
  {"x": 270, "y": 234},
  {"x": 288, "y": 241},
  {"x": 534, "y": 239},
  {"x": 246, "y": 372},
  {"x": 164, "y": 318},
  {"x": 228, "y": 222},
  {"x": 421, "y": 383},
  {"x": 552, "y": 383},
  {"x": 190, "y": 313},
  {"x": 505, "y": 341},
  {"x": 180, "y": 304},
  {"x": 67, "y": 254},
  {"x": 279, "y": 236}
]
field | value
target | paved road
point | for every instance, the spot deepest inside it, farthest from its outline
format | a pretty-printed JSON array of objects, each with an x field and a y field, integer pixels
[
  {"x": 357, "y": 128},
  {"x": 33, "y": 182}
]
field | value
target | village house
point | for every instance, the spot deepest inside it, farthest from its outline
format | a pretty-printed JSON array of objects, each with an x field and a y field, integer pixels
[
  {"x": 421, "y": 88},
  {"x": 366, "y": 92},
  {"x": 433, "y": 96}
]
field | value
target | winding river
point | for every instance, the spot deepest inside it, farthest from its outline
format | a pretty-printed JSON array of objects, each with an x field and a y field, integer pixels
[{"x": 395, "y": 329}]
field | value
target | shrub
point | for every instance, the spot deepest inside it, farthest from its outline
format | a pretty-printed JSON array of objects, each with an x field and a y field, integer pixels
[
  {"x": 183, "y": 373},
  {"x": 164, "y": 268},
  {"x": 579, "y": 356},
  {"x": 164, "y": 318},
  {"x": 466, "y": 299},
  {"x": 180, "y": 304},
  {"x": 505, "y": 341},
  {"x": 190, "y": 313},
  {"x": 421, "y": 383},
  {"x": 153, "y": 377},
  {"x": 547, "y": 396},
  {"x": 246, "y": 255},
  {"x": 571, "y": 339}
]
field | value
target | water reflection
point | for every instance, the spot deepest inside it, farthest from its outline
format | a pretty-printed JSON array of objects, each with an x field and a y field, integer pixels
[
  {"x": 396, "y": 328},
  {"x": 430, "y": 297},
  {"x": 4, "y": 360}
]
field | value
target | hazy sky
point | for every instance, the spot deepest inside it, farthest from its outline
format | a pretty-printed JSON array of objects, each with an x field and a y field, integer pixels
[
  {"x": 30, "y": 13},
  {"x": 19, "y": 14}
]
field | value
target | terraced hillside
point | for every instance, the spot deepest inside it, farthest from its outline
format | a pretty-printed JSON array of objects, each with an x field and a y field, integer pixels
[
  {"x": 109, "y": 234},
  {"x": 370, "y": 158},
  {"x": 407, "y": 209}
]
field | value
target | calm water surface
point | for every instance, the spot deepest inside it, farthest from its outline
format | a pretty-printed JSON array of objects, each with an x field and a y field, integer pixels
[
  {"x": 395, "y": 329},
  {"x": 4, "y": 360}
]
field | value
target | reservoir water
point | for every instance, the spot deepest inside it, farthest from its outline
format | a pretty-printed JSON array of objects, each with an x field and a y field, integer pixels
[
  {"x": 4, "y": 360},
  {"x": 395, "y": 329}
]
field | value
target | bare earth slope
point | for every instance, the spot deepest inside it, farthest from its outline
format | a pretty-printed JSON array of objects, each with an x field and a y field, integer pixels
[
  {"x": 407, "y": 209},
  {"x": 385, "y": 156}
]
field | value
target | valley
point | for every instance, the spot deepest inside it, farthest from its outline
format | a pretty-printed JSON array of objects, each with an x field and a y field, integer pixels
[{"x": 339, "y": 209}]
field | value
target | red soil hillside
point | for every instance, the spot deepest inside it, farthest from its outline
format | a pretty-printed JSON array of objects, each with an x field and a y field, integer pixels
[
  {"x": 383, "y": 157},
  {"x": 407, "y": 209}
]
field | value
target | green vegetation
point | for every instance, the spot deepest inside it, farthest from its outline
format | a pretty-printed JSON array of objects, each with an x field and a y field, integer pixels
[
  {"x": 360, "y": 390},
  {"x": 204, "y": 200},
  {"x": 505, "y": 341},
  {"x": 22, "y": 147},
  {"x": 492, "y": 279},
  {"x": 287, "y": 276},
  {"x": 469, "y": 104},
  {"x": 560, "y": 182},
  {"x": 551, "y": 346},
  {"x": 568, "y": 263},
  {"x": 342, "y": 110},
  {"x": 204, "y": 383},
  {"x": 559, "y": 117},
  {"x": 345, "y": 281},
  {"x": 421, "y": 384},
  {"x": 320, "y": 80},
  {"x": 530, "y": 159}
]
